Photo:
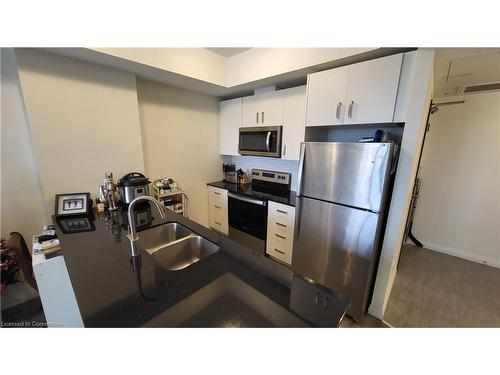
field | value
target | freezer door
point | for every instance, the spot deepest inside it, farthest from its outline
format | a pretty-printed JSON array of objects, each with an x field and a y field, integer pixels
[
  {"x": 354, "y": 174},
  {"x": 336, "y": 246}
]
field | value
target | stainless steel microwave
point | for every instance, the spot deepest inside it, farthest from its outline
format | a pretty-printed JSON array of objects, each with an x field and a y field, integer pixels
[{"x": 260, "y": 141}]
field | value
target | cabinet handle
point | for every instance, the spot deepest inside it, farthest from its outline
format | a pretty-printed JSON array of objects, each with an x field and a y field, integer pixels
[
  {"x": 216, "y": 193},
  {"x": 257, "y": 117},
  {"x": 262, "y": 117},
  {"x": 279, "y": 251},
  {"x": 325, "y": 303},
  {"x": 339, "y": 106},
  {"x": 280, "y": 236},
  {"x": 282, "y": 212},
  {"x": 349, "y": 112},
  {"x": 316, "y": 299},
  {"x": 281, "y": 225},
  {"x": 217, "y": 206},
  {"x": 216, "y": 222},
  {"x": 284, "y": 150}
]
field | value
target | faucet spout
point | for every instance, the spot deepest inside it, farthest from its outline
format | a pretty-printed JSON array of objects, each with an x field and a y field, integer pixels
[{"x": 132, "y": 236}]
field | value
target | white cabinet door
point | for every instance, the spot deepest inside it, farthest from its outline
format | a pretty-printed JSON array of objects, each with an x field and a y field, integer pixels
[
  {"x": 271, "y": 108},
  {"x": 326, "y": 97},
  {"x": 230, "y": 112},
  {"x": 294, "y": 122},
  {"x": 251, "y": 111},
  {"x": 372, "y": 90},
  {"x": 264, "y": 109}
]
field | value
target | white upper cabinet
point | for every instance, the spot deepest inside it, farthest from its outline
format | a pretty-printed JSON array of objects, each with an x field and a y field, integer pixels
[
  {"x": 326, "y": 97},
  {"x": 294, "y": 122},
  {"x": 372, "y": 89},
  {"x": 230, "y": 112},
  {"x": 264, "y": 109},
  {"x": 355, "y": 94}
]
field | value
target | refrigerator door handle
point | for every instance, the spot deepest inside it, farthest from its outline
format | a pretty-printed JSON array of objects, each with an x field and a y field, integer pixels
[
  {"x": 301, "y": 167},
  {"x": 395, "y": 158}
]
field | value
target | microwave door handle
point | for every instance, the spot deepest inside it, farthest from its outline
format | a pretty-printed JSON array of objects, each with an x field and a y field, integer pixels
[{"x": 268, "y": 142}]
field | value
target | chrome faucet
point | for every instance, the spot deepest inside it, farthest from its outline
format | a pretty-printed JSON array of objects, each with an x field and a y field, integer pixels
[{"x": 132, "y": 236}]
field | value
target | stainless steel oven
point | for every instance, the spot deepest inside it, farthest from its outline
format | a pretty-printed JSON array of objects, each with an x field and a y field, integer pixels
[
  {"x": 260, "y": 141},
  {"x": 248, "y": 221}
]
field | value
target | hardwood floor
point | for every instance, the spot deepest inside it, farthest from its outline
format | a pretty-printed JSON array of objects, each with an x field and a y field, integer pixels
[{"x": 438, "y": 290}]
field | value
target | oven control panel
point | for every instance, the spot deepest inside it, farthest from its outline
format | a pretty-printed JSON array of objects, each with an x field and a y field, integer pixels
[{"x": 271, "y": 176}]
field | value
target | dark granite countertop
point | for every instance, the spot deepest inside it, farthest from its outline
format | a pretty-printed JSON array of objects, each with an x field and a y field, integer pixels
[
  {"x": 288, "y": 199},
  {"x": 108, "y": 290}
]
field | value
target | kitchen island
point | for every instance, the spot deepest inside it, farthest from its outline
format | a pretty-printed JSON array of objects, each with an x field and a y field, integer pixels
[{"x": 232, "y": 287}]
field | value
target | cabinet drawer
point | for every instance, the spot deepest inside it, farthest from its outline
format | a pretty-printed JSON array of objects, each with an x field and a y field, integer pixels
[
  {"x": 217, "y": 204},
  {"x": 218, "y": 221},
  {"x": 217, "y": 193},
  {"x": 281, "y": 213},
  {"x": 279, "y": 248},
  {"x": 316, "y": 304},
  {"x": 281, "y": 226}
]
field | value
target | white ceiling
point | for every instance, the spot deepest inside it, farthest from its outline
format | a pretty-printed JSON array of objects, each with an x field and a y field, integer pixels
[
  {"x": 228, "y": 52},
  {"x": 454, "y": 67}
]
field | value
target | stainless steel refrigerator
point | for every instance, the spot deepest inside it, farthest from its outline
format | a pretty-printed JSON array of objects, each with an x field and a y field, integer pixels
[{"x": 341, "y": 205}]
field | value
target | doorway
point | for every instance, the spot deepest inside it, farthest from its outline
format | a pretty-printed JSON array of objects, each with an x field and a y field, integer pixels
[{"x": 453, "y": 279}]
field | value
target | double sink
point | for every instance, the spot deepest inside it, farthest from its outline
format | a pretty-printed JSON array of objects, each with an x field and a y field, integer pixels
[{"x": 174, "y": 246}]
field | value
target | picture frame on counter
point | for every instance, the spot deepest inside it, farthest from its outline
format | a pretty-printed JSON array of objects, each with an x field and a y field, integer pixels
[{"x": 72, "y": 204}]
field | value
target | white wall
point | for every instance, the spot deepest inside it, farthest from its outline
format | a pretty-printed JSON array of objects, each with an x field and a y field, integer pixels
[
  {"x": 198, "y": 63},
  {"x": 84, "y": 121},
  {"x": 417, "y": 75},
  {"x": 260, "y": 63},
  {"x": 248, "y": 66},
  {"x": 458, "y": 210},
  {"x": 22, "y": 209},
  {"x": 180, "y": 134}
]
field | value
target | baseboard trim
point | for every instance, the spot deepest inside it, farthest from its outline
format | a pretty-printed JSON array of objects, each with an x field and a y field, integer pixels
[
  {"x": 376, "y": 311},
  {"x": 460, "y": 254}
]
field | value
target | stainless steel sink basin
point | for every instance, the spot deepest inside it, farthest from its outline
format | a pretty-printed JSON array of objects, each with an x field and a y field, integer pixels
[
  {"x": 174, "y": 246},
  {"x": 183, "y": 253},
  {"x": 156, "y": 238}
]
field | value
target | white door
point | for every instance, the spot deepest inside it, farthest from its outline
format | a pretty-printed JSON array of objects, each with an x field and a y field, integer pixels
[
  {"x": 326, "y": 97},
  {"x": 271, "y": 108},
  {"x": 294, "y": 122},
  {"x": 372, "y": 90},
  {"x": 251, "y": 111},
  {"x": 229, "y": 123}
]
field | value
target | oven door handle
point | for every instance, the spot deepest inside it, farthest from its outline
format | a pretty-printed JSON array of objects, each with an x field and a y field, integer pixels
[
  {"x": 245, "y": 199},
  {"x": 268, "y": 142}
]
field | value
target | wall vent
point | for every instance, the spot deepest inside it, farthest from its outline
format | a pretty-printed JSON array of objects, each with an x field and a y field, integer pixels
[{"x": 471, "y": 89}]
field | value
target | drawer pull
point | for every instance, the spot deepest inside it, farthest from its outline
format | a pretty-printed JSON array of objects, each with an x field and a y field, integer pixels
[
  {"x": 280, "y": 236},
  {"x": 216, "y": 222},
  {"x": 279, "y": 251},
  {"x": 217, "y": 206},
  {"x": 282, "y": 212},
  {"x": 281, "y": 225},
  {"x": 217, "y": 193}
]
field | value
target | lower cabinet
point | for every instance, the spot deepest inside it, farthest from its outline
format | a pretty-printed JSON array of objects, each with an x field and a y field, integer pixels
[
  {"x": 280, "y": 225},
  {"x": 217, "y": 210},
  {"x": 316, "y": 304}
]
